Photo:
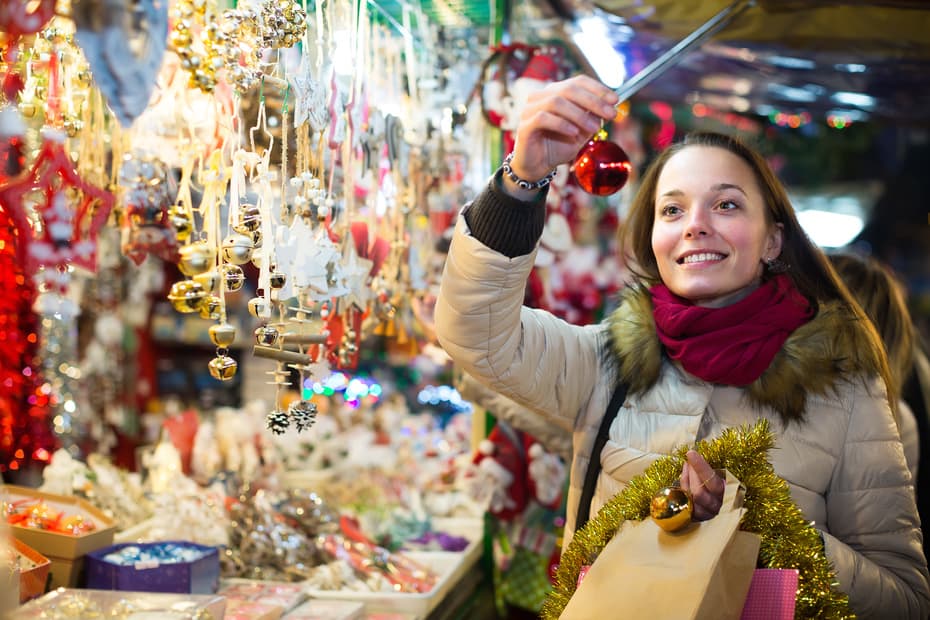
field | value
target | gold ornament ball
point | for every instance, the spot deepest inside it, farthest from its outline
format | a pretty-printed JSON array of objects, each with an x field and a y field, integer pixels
[
  {"x": 671, "y": 508},
  {"x": 233, "y": 277},
  {"x": 237, "y": 249},
  {"x": 196, "y": 258},
  {"x": 222, "y": 334},
  {"x": 210, "y": 308},
  {"x": 266, "y": 336},
  {"x": 187, "y": 296},
  {"x": 222, "y": 367}
]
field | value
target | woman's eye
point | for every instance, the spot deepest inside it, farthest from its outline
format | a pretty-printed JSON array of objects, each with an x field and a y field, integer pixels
[
  {"x": 670, "y": 210},
  {"x": 727, "y": 205}
]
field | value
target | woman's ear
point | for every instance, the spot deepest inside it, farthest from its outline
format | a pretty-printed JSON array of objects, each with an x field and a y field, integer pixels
[{"x": 776, "y": 237}]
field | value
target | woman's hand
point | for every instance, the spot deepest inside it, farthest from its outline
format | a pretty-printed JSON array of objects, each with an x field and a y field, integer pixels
[
  {"x": 557, "y": 121},
  {"x": 704, "y": 484}
]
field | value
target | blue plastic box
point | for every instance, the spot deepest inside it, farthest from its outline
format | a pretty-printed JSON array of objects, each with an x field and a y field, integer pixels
[{"x": 201, "y": 576}]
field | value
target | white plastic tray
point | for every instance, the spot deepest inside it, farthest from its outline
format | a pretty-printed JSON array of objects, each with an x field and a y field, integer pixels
[{"x": 413, "y": 605}]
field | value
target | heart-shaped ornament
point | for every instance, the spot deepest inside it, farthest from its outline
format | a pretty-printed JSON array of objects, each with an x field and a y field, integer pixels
[{"x": 124, "y": 43}]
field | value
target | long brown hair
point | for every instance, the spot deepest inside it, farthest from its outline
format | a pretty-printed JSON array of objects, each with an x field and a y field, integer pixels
[
  {"x": 882, "y": 295},
  {"x": 808, "y": 267}
]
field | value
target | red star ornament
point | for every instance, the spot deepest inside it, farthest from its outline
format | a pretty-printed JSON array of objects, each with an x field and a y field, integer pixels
[{"x": 72, "y": 211}]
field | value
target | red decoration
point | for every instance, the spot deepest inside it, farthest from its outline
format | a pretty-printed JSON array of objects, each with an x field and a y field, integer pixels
[
  {"x": 602, "y": 166},
  {"x": 25, "y": 430},
  {"x": 69, "y": 235}
]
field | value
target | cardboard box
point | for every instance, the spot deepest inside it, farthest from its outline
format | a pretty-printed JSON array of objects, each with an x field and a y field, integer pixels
[
  {"x": 32, "y": 581},
  {"x": 64, "y": 551}
]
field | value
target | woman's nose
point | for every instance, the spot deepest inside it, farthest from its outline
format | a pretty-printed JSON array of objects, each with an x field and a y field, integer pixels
[{"x": 696, "y": 224}]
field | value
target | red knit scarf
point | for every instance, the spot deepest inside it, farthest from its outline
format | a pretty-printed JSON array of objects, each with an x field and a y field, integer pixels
[{"x": 732, "y": 345}]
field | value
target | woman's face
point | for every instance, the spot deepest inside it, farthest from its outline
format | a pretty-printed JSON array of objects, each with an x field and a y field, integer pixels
[{"x": 710, "y": 235}]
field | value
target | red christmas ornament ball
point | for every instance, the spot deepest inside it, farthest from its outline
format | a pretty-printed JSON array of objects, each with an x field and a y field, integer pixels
[{"x": 602, "y": 167}]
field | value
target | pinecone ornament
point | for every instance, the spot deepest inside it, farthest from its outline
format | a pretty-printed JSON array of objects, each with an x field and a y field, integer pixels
[
  {"x": 277, "y": 422},
  {"x": 302, "y": 414}
]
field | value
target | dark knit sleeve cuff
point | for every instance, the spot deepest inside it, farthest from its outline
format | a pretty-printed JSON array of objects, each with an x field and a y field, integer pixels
[{"x": 504, "y": 223}]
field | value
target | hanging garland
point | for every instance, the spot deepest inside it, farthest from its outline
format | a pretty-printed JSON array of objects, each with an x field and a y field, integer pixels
[{"x": 788, "y": 541}]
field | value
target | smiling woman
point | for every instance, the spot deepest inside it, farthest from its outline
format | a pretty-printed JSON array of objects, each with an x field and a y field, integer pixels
[{"x": 734, "y": 316}]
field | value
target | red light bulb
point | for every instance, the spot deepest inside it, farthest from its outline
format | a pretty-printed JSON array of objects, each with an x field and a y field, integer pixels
[{"x": 601, "y": 167}]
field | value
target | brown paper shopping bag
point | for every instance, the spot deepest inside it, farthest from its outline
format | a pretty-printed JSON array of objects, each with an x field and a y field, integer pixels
[{"x": 699, "y": 573}]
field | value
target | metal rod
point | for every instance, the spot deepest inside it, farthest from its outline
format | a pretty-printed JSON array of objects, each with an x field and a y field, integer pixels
[
  {"x": 292, "y": 338},
  {"x": 291, "y": 357},
  {"x": 665, "y": 62}
]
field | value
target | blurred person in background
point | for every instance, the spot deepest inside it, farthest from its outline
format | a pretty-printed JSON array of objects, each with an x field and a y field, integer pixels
[{"x": 884, "y": 298}]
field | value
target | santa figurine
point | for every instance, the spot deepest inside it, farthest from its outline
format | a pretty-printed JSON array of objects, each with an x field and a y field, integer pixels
[
  {"x": 504, "y": 98},
  {"x": 510, "y": 469}
]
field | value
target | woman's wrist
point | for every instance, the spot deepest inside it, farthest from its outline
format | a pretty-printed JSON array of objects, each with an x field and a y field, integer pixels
[{"x": 522, "y": 187}]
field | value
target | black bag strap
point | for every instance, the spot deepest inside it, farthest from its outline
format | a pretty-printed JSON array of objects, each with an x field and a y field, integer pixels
[{"x": 594, "y": 465}]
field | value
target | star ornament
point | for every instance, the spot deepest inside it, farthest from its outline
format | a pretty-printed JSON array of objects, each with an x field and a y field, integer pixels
[
  {"x": 309, "y": 99},
  {"x": 71, "y": 210},
  {"x": 355, "y": 272}
]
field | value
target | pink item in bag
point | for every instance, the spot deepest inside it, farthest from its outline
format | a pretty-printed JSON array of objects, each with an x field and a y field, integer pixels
[{"x": 772, "y": 594}]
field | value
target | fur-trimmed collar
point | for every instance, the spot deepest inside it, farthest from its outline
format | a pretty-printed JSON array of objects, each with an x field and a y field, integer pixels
[{"x": 813, "y": 360}]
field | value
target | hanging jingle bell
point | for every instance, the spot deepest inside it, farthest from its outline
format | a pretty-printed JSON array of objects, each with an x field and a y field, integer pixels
[
  {"x": 210, "y": 308},
  {"x": 259, "y": 308},
  {"x": 233, "y": 277},
  {"x": 222, "y": 335},
  {"x": 181, "y": 221},
  {"x": 601, "y": 167},
  {"x": 196, "y": 258},
  {"x": 187, "y": 296},
  {"x": 277, "y": 280},
  {"x": 237, "y": 248},
  {"x": 249, "y": 219},
  {"x": 222, "y": 367},
  {"x": 266, "y": 335},
  {"x": 671, "y": 508},
  {"x": 210, "y": 280}
]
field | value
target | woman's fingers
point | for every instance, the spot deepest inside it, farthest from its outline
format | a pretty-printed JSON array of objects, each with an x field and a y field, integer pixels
[
  {"x": 706, "y": 487},
  {"x": 556, "y": 122}
]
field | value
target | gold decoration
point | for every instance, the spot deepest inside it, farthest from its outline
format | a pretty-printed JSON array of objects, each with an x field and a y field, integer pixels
[
  {"x": 788, "y": 540},
  {"x": 222, "y": 334},
  {"x": 671, "y": 508},
  {"x": 211, "y": 308},
  {"x": 196, "y": 258},
  {"x": 187, "y": 296},
  {"x": 223, "y": 367}
]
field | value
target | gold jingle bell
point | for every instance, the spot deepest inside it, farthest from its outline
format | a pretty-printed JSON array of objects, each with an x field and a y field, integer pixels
[
  {"x": 259, "y": 308},
  {"x": 210, "y": 281},
  {"x": 249, "y": 220},
  {"x": 237, "y": 249},
  {"x": 187, "y": 296},
  {"x": 181, "y": 221},
  {"x": 233, "y": 277},
  {"x": 222, "y": 367},
  {"x": 196, "y": 258},
  {"x": 222, "y": 334},
  {"x": 671, "y": 508},
  {"x": 266, "y": 335},
  {"x": 210, "y": 308},
  {"x": 277, "y": 280}
]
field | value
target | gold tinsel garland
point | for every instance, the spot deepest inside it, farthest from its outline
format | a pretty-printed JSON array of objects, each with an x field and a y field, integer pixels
[{"x": 788, "y": 541}]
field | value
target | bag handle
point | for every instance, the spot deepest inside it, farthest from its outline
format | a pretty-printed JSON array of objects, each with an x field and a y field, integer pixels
[{"x": 594, "y": 465}]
